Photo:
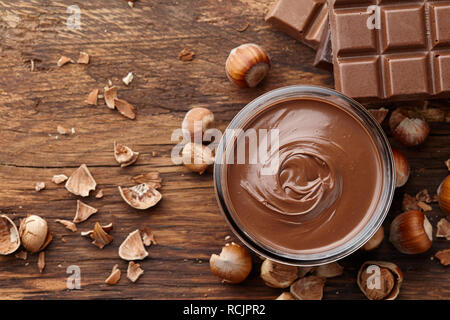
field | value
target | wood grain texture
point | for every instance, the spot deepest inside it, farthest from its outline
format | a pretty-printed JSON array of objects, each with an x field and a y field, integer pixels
[{"x": 146, "y": 40}]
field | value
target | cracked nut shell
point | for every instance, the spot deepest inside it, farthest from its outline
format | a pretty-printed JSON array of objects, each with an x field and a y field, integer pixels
[
  {"x": 389, "y": 280},
  {"x": 9, "y": 236}
]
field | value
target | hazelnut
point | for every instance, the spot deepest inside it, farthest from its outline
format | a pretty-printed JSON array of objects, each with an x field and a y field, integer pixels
[
  {"x": 247, "y": 65},
  {"x": 9, "y": 236},
  {"x": 411, "y": 232},
  {"x": 375, "y": 241},
  {"x": 233, "y": 265},
  {"x": 329, "y": 270},
  {"x": 197, "y": 120},
  {"x": 33, "y": 233},
  {"x": 402, "y": 169},
  {"x": 197, "y": 157},
  {"x": 141, "y": 196},
  {"x": 380, "y": 280},
  {"x": 308, "y": 288},
  {"x": 408, "y": 128},
  {"x": 444, "y": 195},
  {"x": 278, "y": 275}
]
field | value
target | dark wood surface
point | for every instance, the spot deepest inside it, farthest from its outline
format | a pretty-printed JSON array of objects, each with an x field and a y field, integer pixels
[{"x": 146, "y": 40}]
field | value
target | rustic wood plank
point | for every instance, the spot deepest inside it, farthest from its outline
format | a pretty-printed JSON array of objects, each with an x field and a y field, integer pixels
[{"x": 146, "y": 40}]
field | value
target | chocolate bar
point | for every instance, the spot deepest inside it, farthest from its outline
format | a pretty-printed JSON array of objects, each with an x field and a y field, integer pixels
[
  {"x": 391, "y": 50},
  {"x": 303, "y": 20},
  {"x": 324, "y": 55}
]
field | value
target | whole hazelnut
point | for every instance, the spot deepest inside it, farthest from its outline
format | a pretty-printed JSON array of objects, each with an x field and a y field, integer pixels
[
  {"x": 277, "y": 275},
  {"x": 247, "y": 65},
  {"x": 33, "y": 232},
  {"x": 444, "y": 195},
  {"x": 375, "y": 241},
  {"x": 197, "y": 120},
  {"x": 402, "y": 168},
  {"x": 196, "y": 157},
  {"x": 411, "y": 232},
  {"x": 408, "y": 128},
  {"x": 233, "y": 265},
  {"x": 380, "y": 280}
]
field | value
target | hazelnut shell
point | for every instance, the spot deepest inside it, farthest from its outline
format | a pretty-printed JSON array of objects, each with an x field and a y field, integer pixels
[
  {"x": 233, "y": 265},
  {"x": 9, "y": 236},
  {"x": 393, "y": 268}
]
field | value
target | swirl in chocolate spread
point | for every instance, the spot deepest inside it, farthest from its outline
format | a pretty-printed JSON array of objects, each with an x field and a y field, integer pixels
[
  {"x": 305, "y": 184},
  {"x": 326, "y": 184}
]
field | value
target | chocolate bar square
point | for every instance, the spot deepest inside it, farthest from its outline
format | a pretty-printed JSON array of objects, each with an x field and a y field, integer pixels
[
  {"x": 303, "y": 20},
  {"x": 406, "y": 48}
]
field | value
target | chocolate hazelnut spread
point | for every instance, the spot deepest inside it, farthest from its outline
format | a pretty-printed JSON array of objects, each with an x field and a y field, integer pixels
[{"x": 326, "y": 184}]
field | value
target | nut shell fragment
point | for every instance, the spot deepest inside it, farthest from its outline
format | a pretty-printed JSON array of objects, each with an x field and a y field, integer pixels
[
  {"x": 147, "y": 236},
  {"x": 134, "y": 271},
  {"x": 63, "y": 60},
  {"x": 132, "y": 248},
  {"x": 285, "y": 296},
  {"x": 125, "y": 108},
  {"x": 101, "y": 238},
  {"x": 443, "y": 256},
  {"x": 92, "y": 98},
  {"x": 277, "y": 275},
  {"x": 124, "y": 155},
  {"x": 308, "y": 288},
  {"x": 107, "y": 228},
  {"x": 39, "y": 186},
  {"x": 114, "y": 277},
  {"x": 390, "y": 280},
  {"x": 9, "y": 236},
  {"x": 153, "y": 179},
  {"x": 141, "y": 196},
  {"x": 84, "y": 211},
  {"x": 59, "y": 178},
  {"x": 68, "y": 224},
  {"x": 81, "y": 182},
  {"x": 41, "y": 261},
  {"x": 110, "y": 94},
  {"x": 83, "y": 58},
  {"x": 443, "y": 229}
]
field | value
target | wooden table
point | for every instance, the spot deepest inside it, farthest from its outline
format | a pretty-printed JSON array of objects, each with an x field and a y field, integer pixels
[{"x": 146, "y": 40}]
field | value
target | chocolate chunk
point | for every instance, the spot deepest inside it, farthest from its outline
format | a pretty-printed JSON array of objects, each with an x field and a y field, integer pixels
[
  {"x": 303, "y": 20},
  {"x": 324, "y": 55}
]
